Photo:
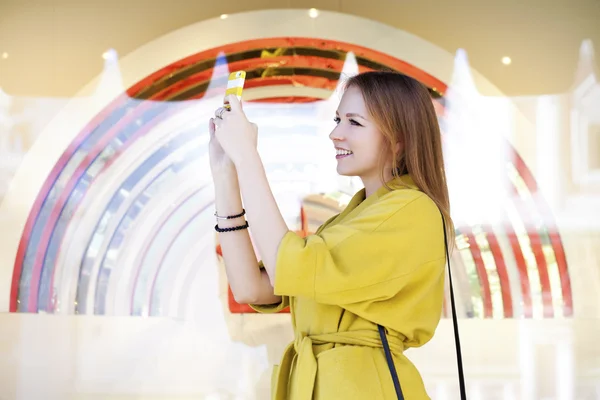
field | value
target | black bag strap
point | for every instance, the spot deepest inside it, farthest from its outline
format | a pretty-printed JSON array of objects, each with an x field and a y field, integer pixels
[
  {"x": 386, "y": 346},
  {"x": 390, "y": 362}
]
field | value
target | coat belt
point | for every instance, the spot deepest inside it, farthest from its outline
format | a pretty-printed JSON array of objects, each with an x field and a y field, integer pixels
[{"x": 305, "y": 372}]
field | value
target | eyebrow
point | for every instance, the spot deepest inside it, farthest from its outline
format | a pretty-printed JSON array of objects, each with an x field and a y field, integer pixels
[{"x": 350, "y": 115}]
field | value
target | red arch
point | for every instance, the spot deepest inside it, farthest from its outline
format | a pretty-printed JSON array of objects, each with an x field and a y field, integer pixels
[{"x": 170, "y": 90}]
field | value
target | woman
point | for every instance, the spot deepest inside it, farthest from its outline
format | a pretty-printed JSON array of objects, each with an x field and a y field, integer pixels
[{"x": 379, "y": 262}]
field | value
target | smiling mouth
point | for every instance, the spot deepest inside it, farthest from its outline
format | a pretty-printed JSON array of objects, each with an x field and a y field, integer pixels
[{"x": 342, "y": 153}]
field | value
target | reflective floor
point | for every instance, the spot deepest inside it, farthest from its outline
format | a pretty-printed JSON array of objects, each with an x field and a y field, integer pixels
[{"x": 81, "y": 357}]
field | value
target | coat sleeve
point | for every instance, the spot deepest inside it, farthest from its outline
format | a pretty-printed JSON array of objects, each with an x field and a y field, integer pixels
[
  {"x": 270, "y": 308},
  {"x": 371, "y": 258}
]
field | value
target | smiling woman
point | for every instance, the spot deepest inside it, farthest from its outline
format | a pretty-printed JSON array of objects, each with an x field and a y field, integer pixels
[{"x": 377, "y": 265}]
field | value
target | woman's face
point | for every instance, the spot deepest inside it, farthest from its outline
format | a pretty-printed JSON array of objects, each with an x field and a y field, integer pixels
[{"x": 358, "y": 141}]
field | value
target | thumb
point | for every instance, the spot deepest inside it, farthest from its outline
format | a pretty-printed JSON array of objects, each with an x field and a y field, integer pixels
[{"x": 211, "y": 127}]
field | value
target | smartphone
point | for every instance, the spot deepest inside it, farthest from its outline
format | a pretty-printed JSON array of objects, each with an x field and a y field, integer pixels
[{"x": 235, "y": 85}]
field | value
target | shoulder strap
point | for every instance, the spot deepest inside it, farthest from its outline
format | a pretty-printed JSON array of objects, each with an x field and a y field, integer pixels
[
  {"x": 390, "y": 362},
  {"x": 461, "y": 375},
  {"x": 388, "y": 353}
]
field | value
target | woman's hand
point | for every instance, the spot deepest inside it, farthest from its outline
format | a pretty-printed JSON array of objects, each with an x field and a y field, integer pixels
[
  {"x": 220, "y": 163},
  {"x": 237, "y": 136}
]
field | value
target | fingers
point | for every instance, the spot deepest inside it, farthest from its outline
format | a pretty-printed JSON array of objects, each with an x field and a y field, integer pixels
[
  {"x": 223, "y": 113},
  {"x": 217, "y": 123},
  {"x": 220, "y": 112},
  {"x": 234, "y": 103},
  {"x": 211, "y": 126}
]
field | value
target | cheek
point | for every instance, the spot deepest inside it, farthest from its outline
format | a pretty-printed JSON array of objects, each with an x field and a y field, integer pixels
[
  {"x": 367, "y": 153},
  {"x": 378, "y": 151},
  {"x": 376, "y": 145}
]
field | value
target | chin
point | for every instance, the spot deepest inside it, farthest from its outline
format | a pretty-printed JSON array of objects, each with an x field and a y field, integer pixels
[{"x": 346, "y": 171}]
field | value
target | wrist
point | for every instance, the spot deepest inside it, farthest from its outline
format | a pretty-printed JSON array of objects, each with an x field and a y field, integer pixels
[
  {"x": 226, "y": 168},
  {"x": 226, "y": 183},
  {"x": 248, "y": 160},
  {"x": 228, "y": 200},
  {"x": 225, "y": 176}
]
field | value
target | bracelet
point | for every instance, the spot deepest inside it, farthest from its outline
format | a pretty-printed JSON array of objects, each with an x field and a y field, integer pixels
[
  {"x": 231, "y": 216},
  {"x": 233, "y": 228}
]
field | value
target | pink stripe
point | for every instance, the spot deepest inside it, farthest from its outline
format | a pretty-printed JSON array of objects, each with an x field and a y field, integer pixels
[
  {"x": 162, "y": 259},
  {"x": 141, "y": 132},
  {"x": 65, "y": 194},
  {"x": 152, "y": 236},
  {"x": 42, "y": 196}
]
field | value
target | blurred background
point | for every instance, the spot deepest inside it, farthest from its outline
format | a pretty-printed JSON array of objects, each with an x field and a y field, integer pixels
[{"x": 111, "y": 281}]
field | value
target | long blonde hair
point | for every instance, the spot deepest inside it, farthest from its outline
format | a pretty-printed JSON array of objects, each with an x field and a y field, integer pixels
[{"x": 403, "y": 111}]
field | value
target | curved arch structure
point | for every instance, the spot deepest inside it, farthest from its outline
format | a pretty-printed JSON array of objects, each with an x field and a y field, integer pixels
[{"x": 123, "y": 221}]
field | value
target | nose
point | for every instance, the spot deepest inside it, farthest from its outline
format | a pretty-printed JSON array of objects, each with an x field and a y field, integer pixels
[{"x": 335, "y": 135}]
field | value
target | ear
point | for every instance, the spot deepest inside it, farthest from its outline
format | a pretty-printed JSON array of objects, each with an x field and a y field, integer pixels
[{"x": 398, "y": 148}]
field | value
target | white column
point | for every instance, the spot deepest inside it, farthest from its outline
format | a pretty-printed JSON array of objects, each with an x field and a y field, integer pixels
[
  {"x": 548, "y": 169},
  {"x": 565, "y": 367},
  {"x": 527, "y": 362}
]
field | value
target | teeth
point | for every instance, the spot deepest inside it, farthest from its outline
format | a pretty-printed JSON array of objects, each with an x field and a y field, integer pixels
[{"x": 341, "y": 152}]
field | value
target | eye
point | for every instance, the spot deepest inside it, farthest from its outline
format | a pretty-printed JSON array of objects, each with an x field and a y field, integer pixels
[
  {"x": 354, "y": 122},
  {"x": 337, "y": 120}
]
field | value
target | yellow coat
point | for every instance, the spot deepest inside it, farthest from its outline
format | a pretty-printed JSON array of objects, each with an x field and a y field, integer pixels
[{"x": 380, "y": 261}]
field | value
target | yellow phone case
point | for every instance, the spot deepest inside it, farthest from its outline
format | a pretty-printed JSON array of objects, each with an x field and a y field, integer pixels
[{"x": 235, "y": 85}]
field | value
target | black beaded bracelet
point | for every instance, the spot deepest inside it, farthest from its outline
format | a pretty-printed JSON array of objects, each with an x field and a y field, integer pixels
[
  {"x": 233, "y": 228},
  {"x": 231, "y": 216}
]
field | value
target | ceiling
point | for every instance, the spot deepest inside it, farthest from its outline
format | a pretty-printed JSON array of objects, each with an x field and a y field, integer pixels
[{"x": 54, "y": 47}]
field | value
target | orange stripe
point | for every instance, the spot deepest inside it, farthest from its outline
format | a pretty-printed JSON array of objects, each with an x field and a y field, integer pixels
[
  {"x": 507, "y": 301},
  {"x": 488, "y": 309},
  {"x": 261, "y": 44},
  {"x": 555, "y": 239}
]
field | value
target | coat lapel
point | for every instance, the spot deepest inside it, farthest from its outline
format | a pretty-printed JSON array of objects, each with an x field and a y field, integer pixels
[{"x": 359, "y": 202}]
